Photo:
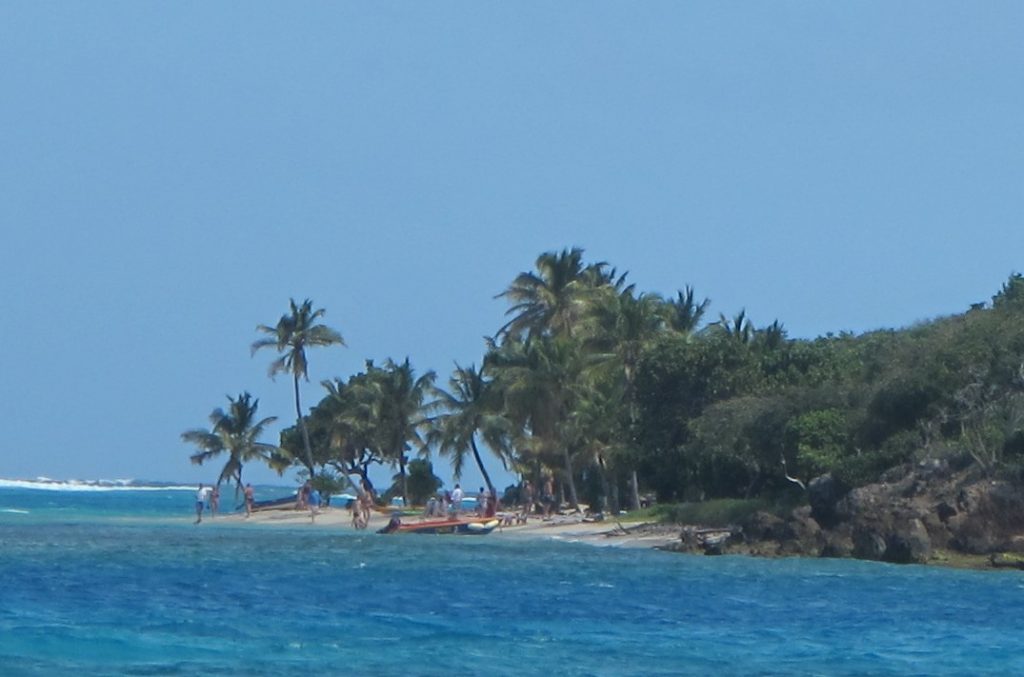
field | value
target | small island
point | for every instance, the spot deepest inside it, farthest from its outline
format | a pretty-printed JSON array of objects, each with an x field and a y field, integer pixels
[{"x": 631, "y": 413}]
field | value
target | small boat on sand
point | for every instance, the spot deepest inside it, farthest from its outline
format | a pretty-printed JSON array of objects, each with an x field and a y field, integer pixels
[{"x": 463, "y": 527}]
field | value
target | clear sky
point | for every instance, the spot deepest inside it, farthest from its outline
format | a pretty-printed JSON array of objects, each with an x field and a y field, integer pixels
[{"x": 171, "y": 173}]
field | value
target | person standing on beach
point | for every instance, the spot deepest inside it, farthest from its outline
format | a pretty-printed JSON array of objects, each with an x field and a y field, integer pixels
[
  {"x": 302, "y": 496},
  {"x": 214, "y": 500},
  {"x": 527, "y": 496},
  {"x": 200, "y": 502},
  {"x": 548, "y": 497},
  {"x": 314, "y": 504},
  {"x": 457, "y": 500},
  {"x": 483, "y": 501},
  {"x": 249, "y": 496}
]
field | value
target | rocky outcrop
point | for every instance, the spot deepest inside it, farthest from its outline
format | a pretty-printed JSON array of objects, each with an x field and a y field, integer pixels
[{"x": 904, "y": 519}]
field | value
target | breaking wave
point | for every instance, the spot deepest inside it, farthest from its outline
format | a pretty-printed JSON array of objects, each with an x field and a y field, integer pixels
[{"x": 47, "y": 484}]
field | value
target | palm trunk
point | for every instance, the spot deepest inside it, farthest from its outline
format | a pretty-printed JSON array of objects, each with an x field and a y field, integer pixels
[
  {"x": 305, "y": 432},
  {"x": 480, "y": 465},
  {"x": 634, "y": 486},
  {"x": 569, "y": 480},
  {"x": 606, "y": 498},
  {"x": 405, "y": 483}
]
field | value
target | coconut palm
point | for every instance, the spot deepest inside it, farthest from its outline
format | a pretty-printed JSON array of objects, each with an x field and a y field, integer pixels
[
  {"x": 470, "y": 408},
  {"x": 553, "y": 299},
  {"x": 398, "y": 416},
  {"x": 536, "y": 379},
  {"x": 623, "y": 325},
  {"x": 685, "y": 312},
  {"x": 234, "y": 432},
  {"x": 740, "y": 328},
  {"x": 293, "y": 333}
]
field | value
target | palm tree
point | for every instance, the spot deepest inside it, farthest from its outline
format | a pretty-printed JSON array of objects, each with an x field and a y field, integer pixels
[
  {"x": 552, "y": 299},
  {"x": 685, "y": 313},
  {"x": 398, "y": 416},
  {"x": 624, "y": 325},
  {"x": 293, "y": 333},
  {"x": 470, "y": 408},
  {"x": 235, "y": 432},
  {"x": 537, "y": 379},
  {"x": 739, "y": 328}
]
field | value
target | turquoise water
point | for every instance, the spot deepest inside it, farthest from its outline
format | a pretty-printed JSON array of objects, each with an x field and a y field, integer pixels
[{"x": 121, "y": 582}]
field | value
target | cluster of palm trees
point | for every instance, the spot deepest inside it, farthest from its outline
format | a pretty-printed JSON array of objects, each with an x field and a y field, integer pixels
[{"x": 555, "y": 396}]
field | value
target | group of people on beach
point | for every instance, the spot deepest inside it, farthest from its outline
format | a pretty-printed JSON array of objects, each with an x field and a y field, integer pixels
[
  {"x": 546, "y": 501},
  {"x": 444, "y": 505},
  {"x": 208, "y": 498},
  {"x": 448, "y": 504}
]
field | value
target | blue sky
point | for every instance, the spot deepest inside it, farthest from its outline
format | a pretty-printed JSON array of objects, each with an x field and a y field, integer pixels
[{"x": 173, "y": 172}]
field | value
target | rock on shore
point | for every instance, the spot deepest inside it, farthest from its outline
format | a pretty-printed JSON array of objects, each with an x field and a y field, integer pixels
[{"x": 913, "y": 512}]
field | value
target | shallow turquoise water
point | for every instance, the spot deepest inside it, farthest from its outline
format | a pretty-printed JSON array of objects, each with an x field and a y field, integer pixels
[{"x": 122, "y": 583}]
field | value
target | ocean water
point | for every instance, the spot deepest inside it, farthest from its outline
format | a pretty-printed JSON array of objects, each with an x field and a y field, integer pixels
[{"x": 118, "y": 581}]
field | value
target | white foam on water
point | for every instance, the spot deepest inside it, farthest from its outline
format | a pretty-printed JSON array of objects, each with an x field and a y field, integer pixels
[{"x": 47, "y": 484}]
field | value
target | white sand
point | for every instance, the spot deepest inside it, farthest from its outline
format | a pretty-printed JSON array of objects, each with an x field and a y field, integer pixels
[{"x": 560, "y": 527}]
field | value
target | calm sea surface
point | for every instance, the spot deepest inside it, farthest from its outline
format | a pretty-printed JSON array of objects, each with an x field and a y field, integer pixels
[{"x": 121, "y": 582}]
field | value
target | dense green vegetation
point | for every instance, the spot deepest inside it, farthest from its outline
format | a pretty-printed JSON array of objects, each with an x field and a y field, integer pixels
[{"x": 616, "y": 393}]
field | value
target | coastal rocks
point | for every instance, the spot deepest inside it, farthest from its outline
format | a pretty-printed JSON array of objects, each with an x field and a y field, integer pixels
[
  {"x": 763, "y": 526},
  {"x": 838, "y": 542},
  {"x": 909, "y": 544},
  {"x": 709, "y": 541},
  {"x": 917, "y": 512},
  {"x": 989, "y": 518},
  {"x": 823, "y": 494},
  {"x": 802, "y": 534}
]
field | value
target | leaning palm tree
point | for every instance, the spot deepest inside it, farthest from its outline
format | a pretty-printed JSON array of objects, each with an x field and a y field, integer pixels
[
  {"x": 293, "y": 333},
  {"x": 234, "y": 432},
  {"x": 469, "y": 408}
]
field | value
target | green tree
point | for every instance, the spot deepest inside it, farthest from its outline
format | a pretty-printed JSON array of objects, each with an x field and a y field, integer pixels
[
  {"x": 537, "y": 378},
  {"x": 552, "y": 299},
  {"x": 470, "y": 407},
  {"x": 685, "y": 312},
  {"x": 234, "y": 432},
  {"x": 290, "y": 337},
  {"x": 420, "y": 484},
  {"x": 396, "y": 398}
]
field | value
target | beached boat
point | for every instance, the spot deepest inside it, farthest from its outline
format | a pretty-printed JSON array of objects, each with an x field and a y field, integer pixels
[
  {"x": 272, "y": 504},
  {"x": 463, "y": 527}
]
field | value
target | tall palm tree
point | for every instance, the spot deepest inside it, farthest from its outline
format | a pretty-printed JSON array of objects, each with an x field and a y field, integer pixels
[
  {"x": 624, "y": 325},
  {"x": 234, "y": 432},
  {"x": 552, "y": 299},
  {"x": 469, "y": 407},
  {"x": 293, "y": 333}
]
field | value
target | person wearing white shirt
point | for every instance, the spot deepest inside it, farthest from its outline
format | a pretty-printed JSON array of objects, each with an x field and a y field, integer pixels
[{"x": 457, "y": 499}]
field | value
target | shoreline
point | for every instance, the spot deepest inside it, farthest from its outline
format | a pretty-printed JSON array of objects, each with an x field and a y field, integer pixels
[
  {"x": 563, "y": 528},
  {"x": 559, "y": 528}
]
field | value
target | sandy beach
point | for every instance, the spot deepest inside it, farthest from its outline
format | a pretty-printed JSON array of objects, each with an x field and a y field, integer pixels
[{"x": 569, "y": 528}]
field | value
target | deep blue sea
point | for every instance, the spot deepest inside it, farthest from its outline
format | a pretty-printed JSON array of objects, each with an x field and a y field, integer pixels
[{"x": 119, "y": 581}]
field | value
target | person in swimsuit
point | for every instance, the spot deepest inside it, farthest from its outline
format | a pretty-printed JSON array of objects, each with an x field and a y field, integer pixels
[{"x": 248, "y": 500}]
